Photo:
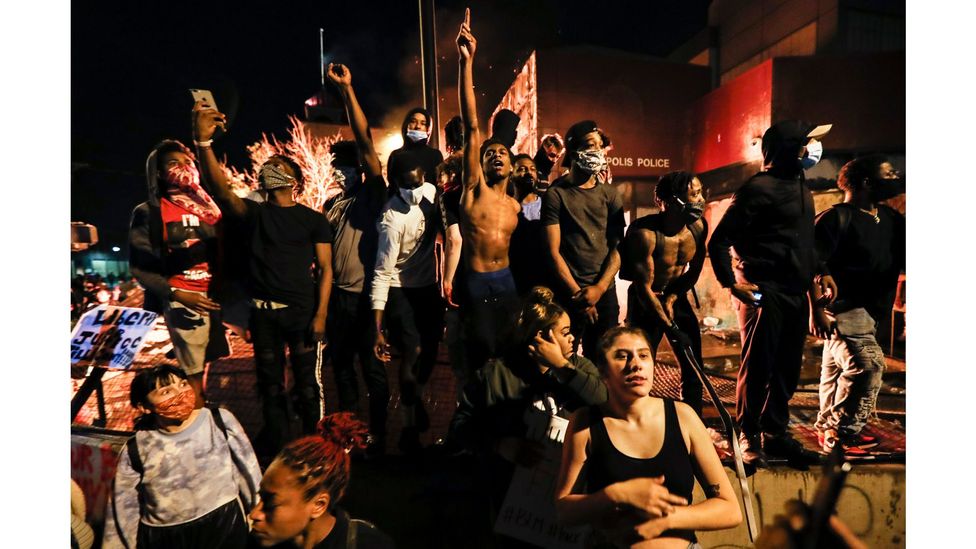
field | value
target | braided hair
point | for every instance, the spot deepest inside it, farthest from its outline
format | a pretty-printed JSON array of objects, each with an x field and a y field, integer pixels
[{"x": 321, "y": 461}]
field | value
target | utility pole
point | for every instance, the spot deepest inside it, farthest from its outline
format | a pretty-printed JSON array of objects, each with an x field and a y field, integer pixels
[{"x": 428, "y": 61}]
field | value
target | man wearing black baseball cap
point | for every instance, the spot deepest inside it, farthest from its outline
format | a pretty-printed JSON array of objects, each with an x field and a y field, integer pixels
[
  {"x": 770, "y": 225},
  {"x": 584, "y": 221}
]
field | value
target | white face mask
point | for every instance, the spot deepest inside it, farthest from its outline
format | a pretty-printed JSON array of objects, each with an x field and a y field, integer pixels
[
  {"x": 416, "y": 136},
  {"x": 412, "y": 196},
  {"x": 814, "y": 154}
]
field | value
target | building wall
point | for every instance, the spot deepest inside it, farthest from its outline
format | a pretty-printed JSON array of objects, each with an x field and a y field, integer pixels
[{"x": 641, "y": 103}]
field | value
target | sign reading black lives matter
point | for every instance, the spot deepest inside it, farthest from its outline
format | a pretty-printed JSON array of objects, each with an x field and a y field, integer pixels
[{"x": 110, "y": 336}]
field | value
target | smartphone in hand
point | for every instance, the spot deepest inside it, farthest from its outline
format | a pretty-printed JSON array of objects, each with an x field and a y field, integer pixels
[{"x": 205, "y": 96}]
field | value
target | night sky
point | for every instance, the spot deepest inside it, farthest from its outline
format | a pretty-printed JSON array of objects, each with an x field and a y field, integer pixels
[{"x": 133, "y": 62}]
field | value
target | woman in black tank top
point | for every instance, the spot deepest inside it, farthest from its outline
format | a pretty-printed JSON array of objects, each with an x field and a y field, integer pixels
[{"x": 641, "y": 456}]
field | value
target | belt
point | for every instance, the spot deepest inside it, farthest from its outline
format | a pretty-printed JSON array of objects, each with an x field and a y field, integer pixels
[{"x": 267, "y": 304}]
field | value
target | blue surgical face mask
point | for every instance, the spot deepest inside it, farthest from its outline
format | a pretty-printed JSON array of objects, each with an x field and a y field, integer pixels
[
  {"x": 416, "y": 136},
  {"x": 814, "y": 154}
]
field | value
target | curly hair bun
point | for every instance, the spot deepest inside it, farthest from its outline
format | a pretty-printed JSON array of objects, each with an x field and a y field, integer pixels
[
  {"x": 540, "y": 295},
  {"x": 343, "y": 430}
]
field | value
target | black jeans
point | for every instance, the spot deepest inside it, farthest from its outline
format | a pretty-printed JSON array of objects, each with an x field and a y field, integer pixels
[
  {"x": 490, "y": 311},
  {"x": 414, "y": 319},
  {"x": 350, "y": 330},
  {"x": 772, "y": 335},
  {"x": 588, "y": 334},
  {"x": 271, "y": 330},
  {"x": 684, "y": 316}
]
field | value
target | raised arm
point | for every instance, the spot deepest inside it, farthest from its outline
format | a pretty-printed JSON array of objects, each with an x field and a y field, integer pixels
[
  {"x": 341, "y": 76},
  {"x": 206, "y": 120},
  {"x": 471, "y": 174}
]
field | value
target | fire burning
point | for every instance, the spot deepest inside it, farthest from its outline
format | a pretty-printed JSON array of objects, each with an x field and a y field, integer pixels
[{"x": 312, "y": 154}]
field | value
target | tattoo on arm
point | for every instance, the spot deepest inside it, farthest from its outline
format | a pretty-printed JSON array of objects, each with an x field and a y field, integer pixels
[{"x": 712, "y": 491}]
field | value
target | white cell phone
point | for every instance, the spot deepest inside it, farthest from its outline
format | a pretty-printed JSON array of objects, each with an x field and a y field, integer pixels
[{"x": 205, "y": 96}]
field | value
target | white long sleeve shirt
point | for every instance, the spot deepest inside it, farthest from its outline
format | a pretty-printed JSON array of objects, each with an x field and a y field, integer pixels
[{"x": 405, "y": 251}]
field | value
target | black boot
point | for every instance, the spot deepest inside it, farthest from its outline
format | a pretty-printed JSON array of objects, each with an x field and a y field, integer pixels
[{"x": 784, "y": 446}]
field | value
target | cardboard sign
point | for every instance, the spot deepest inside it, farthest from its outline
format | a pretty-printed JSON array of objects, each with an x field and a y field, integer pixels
[
  {"x": 110, "y": 336},
  {"x": 528, "y": 512},
  {"x": 93, "y": 462}
]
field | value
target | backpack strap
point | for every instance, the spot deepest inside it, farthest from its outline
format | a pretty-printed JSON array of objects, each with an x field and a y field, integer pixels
[
  {"x": 132, "y": 448},
  {"x": 351, "y": 534},
  {"x": 658, "y": 243},
  {"x": 219, "y": 421},
  {"x": 241, "y": 469}
]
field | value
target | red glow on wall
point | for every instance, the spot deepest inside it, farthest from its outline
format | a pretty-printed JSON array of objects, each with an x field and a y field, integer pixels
[{"x": 730, "y": 121}]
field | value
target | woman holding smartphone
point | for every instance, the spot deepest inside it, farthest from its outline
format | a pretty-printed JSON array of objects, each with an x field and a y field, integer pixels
[{"x": 642, "y": 456}]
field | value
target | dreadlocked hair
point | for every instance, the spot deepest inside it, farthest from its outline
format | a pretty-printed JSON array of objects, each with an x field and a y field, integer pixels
[{"x": 321, "y": 461}]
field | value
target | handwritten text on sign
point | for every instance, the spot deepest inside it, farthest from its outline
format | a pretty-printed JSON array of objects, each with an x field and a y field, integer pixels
[
  {"x": 528, "y": 512},
  {"x": 110, "y": 336}
]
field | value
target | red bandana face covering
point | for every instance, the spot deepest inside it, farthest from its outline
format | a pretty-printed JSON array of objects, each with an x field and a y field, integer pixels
[
  {"x": 178, "y": 407},
  {"x": 184, "y": 190}
]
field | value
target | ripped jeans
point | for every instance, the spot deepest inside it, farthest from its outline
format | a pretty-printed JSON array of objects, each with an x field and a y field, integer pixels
[{"x": 850, "y": 374}]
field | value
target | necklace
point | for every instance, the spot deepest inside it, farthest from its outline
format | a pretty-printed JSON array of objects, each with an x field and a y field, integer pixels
[{"x": 874, "y": 215}]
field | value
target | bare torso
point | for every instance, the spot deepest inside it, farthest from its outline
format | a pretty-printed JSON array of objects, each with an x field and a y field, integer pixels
[
  {"x": 488, "y": 219},
  {"x": 672, "y": 257}
]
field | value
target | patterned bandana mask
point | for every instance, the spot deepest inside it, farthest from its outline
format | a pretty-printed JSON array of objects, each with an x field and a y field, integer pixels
[
  {"x": 178, "y": 407},
  {"x": 273, "y": 177},
  {"x": 592, "y": 162},
  {"x": 183, "y": 189}
]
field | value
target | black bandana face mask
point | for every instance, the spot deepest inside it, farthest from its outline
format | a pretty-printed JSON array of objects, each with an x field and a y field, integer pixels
[
  {"x": 883, "y": 189},
  {"x": 691, "y": 211}
]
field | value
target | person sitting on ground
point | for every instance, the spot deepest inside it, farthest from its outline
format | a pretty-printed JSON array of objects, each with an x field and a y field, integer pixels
[
  {"x": 663, "y": 255},
  {"x": 301, "y": 489},
  {"x": 641, "y": 456},
  {"x": 541, "y": 367},
  {"x": 173, "y": 253},
  {"x": 188, "y": 476}
]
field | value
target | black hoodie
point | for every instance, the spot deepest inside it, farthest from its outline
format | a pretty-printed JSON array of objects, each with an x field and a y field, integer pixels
[
  {"x": 428, "y": 157},
  {"x": 770, "y": 220}
]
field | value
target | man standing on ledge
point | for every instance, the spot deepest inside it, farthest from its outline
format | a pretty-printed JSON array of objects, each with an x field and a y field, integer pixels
[
  {"x": 584, "y": 220},
  {"x": 488, "y": 218},
  {"x": 770, "y": 225},
  {"x": 289, "y": 304}
]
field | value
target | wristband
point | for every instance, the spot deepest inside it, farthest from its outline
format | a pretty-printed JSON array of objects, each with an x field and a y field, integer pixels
[{"x": 203, "y": 144}]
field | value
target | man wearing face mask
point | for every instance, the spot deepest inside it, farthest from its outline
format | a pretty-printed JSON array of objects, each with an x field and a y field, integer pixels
[
  {"x": 416, "y": 131},
  {"x": 584, "y": 220},
  {"x": 173, "y": 254},
  {"x": 406, "y": 304},
  {"x": 770, "y": 225},
  {"x": 861, "y": 243},
  {"x": 663, "y": 255},
  {"x": 289, "y": 300},
  {"x": 353, "y": 217},
  {"x": 529, "y": 239}
]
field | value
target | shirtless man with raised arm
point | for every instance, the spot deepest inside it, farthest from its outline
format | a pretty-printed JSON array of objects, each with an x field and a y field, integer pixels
[{"x": 488, "y": 219}]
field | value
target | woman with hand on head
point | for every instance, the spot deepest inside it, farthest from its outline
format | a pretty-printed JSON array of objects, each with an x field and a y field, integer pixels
[
  {"x": 302, "y": 487},
  {"x": 642, "y": 456}
]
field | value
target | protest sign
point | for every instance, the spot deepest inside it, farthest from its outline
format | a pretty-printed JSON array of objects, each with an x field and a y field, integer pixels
[
  {"x": 110, "y": 336},
  {"x": 528, "y": 511},
  {"x": 94, "y": 458}
]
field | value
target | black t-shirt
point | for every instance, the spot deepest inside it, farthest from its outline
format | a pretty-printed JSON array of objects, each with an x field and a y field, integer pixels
[
  {"x": 450, "y": 206},
  {"x": 282, "y": 242},
  {"x": 528, "y": 247},
  {"x": 864, "y": 257},
  {"x": 591, "y": 224}
]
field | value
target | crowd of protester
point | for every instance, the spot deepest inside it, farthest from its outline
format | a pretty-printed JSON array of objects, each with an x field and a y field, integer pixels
[{"x": 524, "y": 297}]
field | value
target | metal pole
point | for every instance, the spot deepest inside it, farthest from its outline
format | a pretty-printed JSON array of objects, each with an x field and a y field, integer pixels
[
  {"x": 428, "y": 60},
  {"x": 322, "y": 54},
  {"x": 740, "y": 470}
]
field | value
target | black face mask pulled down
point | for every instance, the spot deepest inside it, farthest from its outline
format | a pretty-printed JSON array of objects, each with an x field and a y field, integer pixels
[
  {"x": 692, "y": 211},
  {"x": 882, "y": 189}
]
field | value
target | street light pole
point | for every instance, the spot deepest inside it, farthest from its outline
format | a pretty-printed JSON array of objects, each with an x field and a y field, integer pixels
[{"x": 428, "y": 60}]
